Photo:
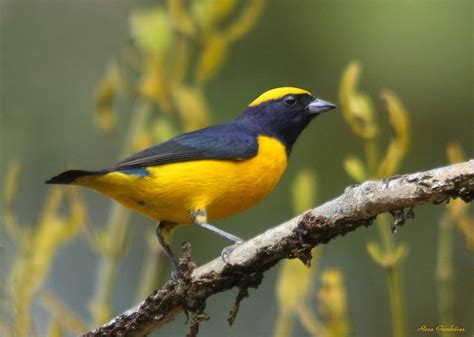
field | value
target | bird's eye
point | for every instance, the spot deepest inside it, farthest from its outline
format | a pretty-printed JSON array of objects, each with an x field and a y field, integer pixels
[{"x": 290, "y": 100}]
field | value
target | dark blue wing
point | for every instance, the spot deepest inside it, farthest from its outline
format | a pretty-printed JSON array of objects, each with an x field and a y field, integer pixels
[{"x": 227, "y": 141}]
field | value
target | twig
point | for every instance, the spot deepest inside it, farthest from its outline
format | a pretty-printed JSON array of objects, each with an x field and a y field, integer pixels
[{"x": 358, "y": 206}]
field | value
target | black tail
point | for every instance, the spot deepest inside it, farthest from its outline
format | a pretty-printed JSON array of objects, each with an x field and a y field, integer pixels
[{"x": 71, "y": 176}]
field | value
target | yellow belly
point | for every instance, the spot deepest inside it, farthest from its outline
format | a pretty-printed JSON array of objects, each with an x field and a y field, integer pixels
[{"x": 221, "y": 187}]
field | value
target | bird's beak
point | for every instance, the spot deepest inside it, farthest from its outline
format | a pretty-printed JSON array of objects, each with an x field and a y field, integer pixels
[{"x": 318, "y": 106}]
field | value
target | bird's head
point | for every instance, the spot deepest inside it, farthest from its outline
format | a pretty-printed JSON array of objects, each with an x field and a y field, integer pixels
[{"x": 284, "y": 112}]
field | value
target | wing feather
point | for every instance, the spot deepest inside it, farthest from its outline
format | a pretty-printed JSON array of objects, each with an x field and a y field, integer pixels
[{"x": 219, "y": 142}]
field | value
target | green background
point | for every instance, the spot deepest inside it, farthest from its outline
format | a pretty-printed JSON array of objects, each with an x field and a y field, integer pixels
[{"x": 53, "y": 54}]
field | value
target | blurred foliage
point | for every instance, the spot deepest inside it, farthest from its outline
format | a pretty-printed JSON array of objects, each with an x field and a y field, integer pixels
[
  {"x": 333, "y": 304},
  {"x": 175, "y": 51},
  {"x": 38, "y": 244},
  {"x": 295, "y": 280},
  {"x": 457, "y": 209},
  {"x": 360, "y": 114},
  {"x": 292, "y": 288},
  {"x": 177, "y": 48},
  {"x": 304, "y": 190},
  {"x": 62, "y": 313},
  {"x": 456, "y": 213}
]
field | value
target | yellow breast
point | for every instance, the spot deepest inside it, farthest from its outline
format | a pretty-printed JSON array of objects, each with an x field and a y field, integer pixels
[{"x": 222, "y": 187}]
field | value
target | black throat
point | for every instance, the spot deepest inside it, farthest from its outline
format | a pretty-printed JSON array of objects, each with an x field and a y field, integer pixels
[{"x": 285, "y": 130}]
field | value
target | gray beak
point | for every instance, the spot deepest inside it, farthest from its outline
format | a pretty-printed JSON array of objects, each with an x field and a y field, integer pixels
[{"x": 318, "y": 105}]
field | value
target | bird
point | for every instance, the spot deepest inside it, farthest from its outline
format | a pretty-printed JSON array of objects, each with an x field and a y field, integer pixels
[{"x": 211, "y": 173}]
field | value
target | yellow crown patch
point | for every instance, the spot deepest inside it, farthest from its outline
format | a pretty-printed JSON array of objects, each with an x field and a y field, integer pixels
[{"x": 276, "y": 94}]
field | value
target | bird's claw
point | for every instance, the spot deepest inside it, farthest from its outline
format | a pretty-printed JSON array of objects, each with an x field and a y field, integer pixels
[
  {"x": 175, "y": 275},
  {"x": 228, "y": 250}
]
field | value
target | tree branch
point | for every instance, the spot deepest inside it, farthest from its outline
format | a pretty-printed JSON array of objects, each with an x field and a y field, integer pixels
[{"x": 357, "y": 206}]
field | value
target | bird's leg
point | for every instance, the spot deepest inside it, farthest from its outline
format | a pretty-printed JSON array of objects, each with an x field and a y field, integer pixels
[
  {"x": 163, "y": 234},
  {"x": 199, "y": 217}
]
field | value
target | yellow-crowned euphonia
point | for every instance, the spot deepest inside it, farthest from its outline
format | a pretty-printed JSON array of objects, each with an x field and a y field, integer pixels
[{"x": 210, "y": 173}]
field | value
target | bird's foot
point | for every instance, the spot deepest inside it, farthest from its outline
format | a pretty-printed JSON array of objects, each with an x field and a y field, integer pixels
[
  {"x": 228, "y": 250},
  {"x": 175, "y": 275}
]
